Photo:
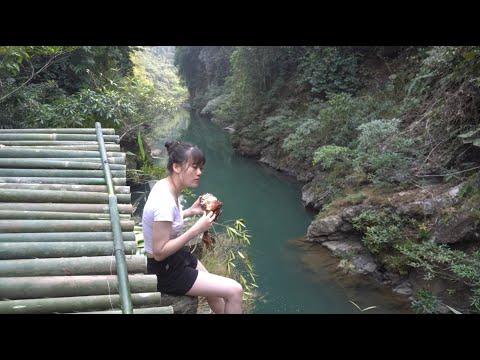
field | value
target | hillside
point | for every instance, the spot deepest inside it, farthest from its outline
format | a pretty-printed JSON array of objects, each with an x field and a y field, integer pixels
[{"x": 386, "y": 140}]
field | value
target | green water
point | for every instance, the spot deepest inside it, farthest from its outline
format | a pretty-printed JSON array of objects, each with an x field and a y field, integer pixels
[{"x": 293, "y": 276}]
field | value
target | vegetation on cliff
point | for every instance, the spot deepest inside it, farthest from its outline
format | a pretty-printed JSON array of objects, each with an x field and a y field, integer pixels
[{"x": 359, "y": 124}]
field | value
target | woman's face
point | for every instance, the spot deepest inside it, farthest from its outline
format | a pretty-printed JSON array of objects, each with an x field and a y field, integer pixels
[{"x": 191, "y": 174}]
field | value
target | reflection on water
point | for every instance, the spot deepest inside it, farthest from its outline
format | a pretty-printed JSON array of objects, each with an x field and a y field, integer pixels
[
  {"x": 321, "y": 267},
  {"x": 166, "y": 129}
]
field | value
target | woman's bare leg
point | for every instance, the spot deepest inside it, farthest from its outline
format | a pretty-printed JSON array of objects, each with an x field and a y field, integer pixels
[
  {"x": 216, "y": 303},
  {"x": 213, "y": 286}
]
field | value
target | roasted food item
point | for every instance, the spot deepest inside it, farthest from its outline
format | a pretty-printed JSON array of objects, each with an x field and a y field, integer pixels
[{"x": 208, "y": 202}]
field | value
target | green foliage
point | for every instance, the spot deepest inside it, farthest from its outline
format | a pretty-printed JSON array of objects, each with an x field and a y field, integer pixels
[
  {"x": 147, "y": 171},
  {"x": 303, "y": 141},
  {"x": 330, "y": 70},
  {"x": 237, "y": 260},
  {"x": 74, "y": 87},
  {"x": 382, "y": 152},
  {"x": 13, "y": 58},
  {"x": 454, "y": 63},
  {"x": 140, "y": 248},
  {"x": 140, "y": 146},
  {"x": 118, "y": 105},
  {"x": 154, "y": 65},
  {"x": 334, "y": 124},
  {"x": 190, "y": 69},
  {"x": 351, "y": 199},
  {"x": 425, "y": 302},
  {"x": 330, "y": 154},
  {"x": 439, "y": 260},
  {"x": 471, "y": 137},
  {"x": 382, "y": 229},
  {"x": 91, "y": 67},
  {"x": 279, "y": 126}
]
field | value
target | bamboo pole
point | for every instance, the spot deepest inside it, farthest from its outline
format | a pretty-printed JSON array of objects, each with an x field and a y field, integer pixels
[
  {"x": 65, "y": 187},
  {"x": 55, "y": 164},
  {"x": 53, "y": 196},
  {"x": 8, "y": 152},
  {"x": 65, "y": 207},
  {"x": 58, "y": 173},
  {"x": 84, "y": 265},
  {"x": 21, "y": 226},
  {"x": 74, "y": 237},
  {"x": 45, "y": 143},
  {"x": 107, "y": 131},
  {"x": 122, "y": 271},
  {"x": 85, "y": 147},
  {"x": 30, "y": 250},
  {"x": 53, "y": 215},
  {"x": 75, "y": 304},
  {"x": 149, "y": 310},
  {"x": 116, "y": 160},
  {"x": 31, "y": 287},
  {"x": 56, "y": 137},
  {"x": 61, "y": 180}
]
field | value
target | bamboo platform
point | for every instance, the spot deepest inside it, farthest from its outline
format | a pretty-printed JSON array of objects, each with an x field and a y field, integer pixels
[{"x": 66, "y": 229}]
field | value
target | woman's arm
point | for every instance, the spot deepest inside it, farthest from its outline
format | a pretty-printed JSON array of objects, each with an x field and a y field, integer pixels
[
  {"x": 195, "y": 209},
  {"x": 163, "y": 247}
]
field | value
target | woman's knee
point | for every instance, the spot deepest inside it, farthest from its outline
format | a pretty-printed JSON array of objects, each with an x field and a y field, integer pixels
[{"x": 236, "y": 290}]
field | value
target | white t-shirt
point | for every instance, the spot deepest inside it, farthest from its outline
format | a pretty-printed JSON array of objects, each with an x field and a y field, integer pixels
[{"x": 161, "y": 206}]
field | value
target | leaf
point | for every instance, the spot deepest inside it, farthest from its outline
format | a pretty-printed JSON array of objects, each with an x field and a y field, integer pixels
[
  {"x": 470, "y": 55},
  {"x": 230, "y": 229},
  {"x": 239, "y": 224},
  {"x": 368, "y": 308},
  {"x": 241, "y": 255},
  {"x": 476, "y": 142},
  {"x": 358, "y": 307},
  {"x": 453, "y": 310},
  {"x": 140, "y": 145},
  {"x": 469, "y": 134}
]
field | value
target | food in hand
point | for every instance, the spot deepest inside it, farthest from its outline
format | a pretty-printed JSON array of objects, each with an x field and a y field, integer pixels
[{"x": 208, "y": 202}]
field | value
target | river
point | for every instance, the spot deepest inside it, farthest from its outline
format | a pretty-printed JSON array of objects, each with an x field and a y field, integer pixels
[{"x": 293, "y": 276}]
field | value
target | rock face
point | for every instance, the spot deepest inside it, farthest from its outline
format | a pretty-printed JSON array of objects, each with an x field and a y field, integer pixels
[
  {"x": 461, "y": 227},
  {"x": 336, "y": 232}
]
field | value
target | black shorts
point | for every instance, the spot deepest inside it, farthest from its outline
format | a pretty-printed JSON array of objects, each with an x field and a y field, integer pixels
[{"x": 176, "y": 274}]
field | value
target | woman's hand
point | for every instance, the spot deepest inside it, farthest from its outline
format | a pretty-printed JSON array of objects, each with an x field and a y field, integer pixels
[
  {"x": 196, "y": 208},
  {"x": 204, "y": 223}
]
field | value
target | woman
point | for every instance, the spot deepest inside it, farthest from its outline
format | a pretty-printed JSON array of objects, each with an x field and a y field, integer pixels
[{"x": 178, "y": 271}]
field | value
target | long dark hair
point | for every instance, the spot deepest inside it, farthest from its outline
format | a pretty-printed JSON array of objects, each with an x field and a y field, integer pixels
[{"x": 182, "y": 153}]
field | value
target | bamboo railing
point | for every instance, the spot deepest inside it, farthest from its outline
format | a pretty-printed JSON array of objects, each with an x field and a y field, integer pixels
[{"x": 66, "y": 231}]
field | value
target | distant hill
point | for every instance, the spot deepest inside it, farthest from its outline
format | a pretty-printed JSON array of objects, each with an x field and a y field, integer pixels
[{"x": 155, "y": 64}]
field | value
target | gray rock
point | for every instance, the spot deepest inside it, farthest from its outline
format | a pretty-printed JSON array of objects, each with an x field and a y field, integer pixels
[
  {"x": 463, "y": 226},
  {"x": 181, "y": 304},
  {"x": 404, "y": 288},
  {"x": 343, "y": 248},
  {"x": 325, "y": 226}
]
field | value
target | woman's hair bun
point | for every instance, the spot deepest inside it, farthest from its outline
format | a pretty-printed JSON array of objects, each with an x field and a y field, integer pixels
[{"x": 170, "y": 145}]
